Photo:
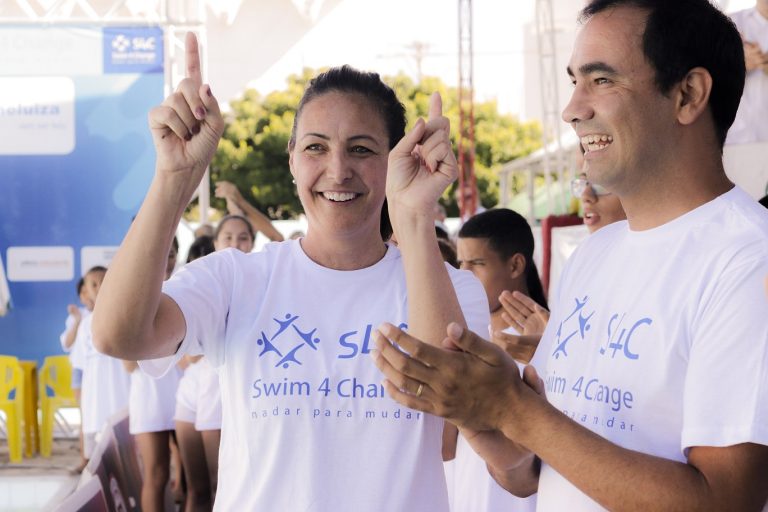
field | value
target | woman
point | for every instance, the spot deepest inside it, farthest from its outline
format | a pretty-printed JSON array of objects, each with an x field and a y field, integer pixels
[{"x": 306, "y": 425}]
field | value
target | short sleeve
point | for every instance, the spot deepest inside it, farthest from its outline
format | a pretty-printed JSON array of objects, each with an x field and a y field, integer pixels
[
  {"x": 726, "y": 383},
  {"x": 203, "y": 292}
]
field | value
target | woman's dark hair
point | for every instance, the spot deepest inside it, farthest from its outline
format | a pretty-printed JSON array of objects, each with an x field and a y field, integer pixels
[
  {"x": 202, "y": 246},
  {"x": 347, "y": 79},
  {"x": 228, "y": 218},
  {"x": 80, "y": 285},
  {"x": 683, "y": 34},
  {"x": 508, "y": 233}
]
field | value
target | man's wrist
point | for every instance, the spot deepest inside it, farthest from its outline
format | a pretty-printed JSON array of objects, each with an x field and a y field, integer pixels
[{"x": 517, "y": 422}]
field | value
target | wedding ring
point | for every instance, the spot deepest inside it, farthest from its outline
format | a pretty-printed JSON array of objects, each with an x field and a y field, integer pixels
[{"x": 420, "y": 389}]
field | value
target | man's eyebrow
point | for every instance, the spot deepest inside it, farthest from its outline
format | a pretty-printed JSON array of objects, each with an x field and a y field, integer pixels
[{"x": 593, "y": 67}]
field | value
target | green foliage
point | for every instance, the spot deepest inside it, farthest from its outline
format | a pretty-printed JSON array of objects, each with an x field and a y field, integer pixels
[{"x": 252, "y": 152}]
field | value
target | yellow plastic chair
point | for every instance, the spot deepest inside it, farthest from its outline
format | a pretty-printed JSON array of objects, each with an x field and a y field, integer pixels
[
  {"x": 31, "y": 427},
  {"x": 55, "y": 391},
  {"x": 12, "y": 403}
]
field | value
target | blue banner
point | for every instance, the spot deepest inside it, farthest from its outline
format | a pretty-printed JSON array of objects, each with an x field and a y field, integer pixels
[{"x": 76, "y": 159}]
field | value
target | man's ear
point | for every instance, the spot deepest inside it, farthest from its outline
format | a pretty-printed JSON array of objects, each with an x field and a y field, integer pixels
[
  {"x": 516, "y": 265},
  {"x": 693, "y": 95}
]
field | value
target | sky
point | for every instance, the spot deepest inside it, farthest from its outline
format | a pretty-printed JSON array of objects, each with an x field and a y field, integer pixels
[{"x": 379, "y": 35}]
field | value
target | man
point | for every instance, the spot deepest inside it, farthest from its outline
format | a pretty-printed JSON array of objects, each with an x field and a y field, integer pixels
[
  {"x": 751, "y": 124},
  {"x": 654, "y": 360}
]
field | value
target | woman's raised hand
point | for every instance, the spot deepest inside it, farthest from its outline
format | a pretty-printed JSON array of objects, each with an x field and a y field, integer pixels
[
  {"x": 187, "y": 126},
  {"x": 422, "y": 165}
]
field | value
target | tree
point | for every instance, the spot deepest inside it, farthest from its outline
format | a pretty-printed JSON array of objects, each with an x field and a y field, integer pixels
[{"x": 252, "y": 153}]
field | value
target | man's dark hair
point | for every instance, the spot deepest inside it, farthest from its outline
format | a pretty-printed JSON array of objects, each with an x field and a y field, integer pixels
[
  {"x": 381, "y": 97},
  {"x": 508, "y": 233},
  {"x": 683, "y": 34}
]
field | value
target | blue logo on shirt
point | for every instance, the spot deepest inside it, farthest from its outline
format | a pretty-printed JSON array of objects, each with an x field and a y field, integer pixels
[
  {"x": 574, "y": 324},
  {"x": 291, "y": 336}
]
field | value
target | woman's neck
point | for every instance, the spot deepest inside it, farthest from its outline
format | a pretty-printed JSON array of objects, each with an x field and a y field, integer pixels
[{"x": 352, "y": 253}]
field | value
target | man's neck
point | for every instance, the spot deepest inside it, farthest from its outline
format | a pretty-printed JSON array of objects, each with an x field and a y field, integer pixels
[{"x": 672, "y": 200}]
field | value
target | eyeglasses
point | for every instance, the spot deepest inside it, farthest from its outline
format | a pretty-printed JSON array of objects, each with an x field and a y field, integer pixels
[{"x": 579, "y": 186}]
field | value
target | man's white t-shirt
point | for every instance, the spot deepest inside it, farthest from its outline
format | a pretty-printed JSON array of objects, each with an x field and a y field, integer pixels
[
  {"x": 306, "y": 422},
  {"x": 106, "y": 384},
  {"x": 657, "y": 340},
  {"x": 751, "y": 123}
]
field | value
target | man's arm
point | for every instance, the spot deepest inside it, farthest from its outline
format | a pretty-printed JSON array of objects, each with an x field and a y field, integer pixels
[
  {"x": 132, "y": 318},
  {"x": 714, "y": 478}
]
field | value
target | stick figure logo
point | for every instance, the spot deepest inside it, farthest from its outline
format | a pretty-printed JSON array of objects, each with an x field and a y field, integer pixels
[
  {"x": 285, "y": 344},
  {"x": 574, "y": 324}
]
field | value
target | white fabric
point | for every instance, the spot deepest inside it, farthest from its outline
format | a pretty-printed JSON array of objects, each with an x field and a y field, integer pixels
[
  {"x": 475, "y": 490},
  {"x": 751, "y": 123},
  {"x": 186, "y": 395},
  {"x": 471, "y": 486},
  {"x": 105, "y": 382},
  {"x": 208, "y": 398},
  {"x": 198, "y": 399},
  {"x": 565, "y": 240},
  {"x": 68, "y": 324},
  {"x": 78, "y": 351},
  {"x": 306, "y": 422},
  {"x": 151, "y": 401},
  {"x": 658, "y": 339}
]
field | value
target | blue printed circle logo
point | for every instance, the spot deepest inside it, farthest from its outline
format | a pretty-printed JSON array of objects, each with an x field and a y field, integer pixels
[{"x": 285, "y": 344}]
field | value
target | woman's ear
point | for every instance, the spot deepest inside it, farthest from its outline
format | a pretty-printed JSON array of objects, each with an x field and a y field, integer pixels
[{"x": 693, "y": 95}]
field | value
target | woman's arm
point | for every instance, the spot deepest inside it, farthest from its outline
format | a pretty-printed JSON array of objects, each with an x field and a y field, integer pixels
[
  {"x": 132, "y": 318},
  {"x": 421, "y": 166}
]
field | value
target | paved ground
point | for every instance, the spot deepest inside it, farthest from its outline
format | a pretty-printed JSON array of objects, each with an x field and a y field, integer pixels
[{"x": 64, "y": 457}]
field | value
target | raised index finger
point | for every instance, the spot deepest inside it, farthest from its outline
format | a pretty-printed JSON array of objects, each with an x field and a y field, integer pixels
[
  {"x": 435, "y": 106},
  {"x": 192, "y": 53}
]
